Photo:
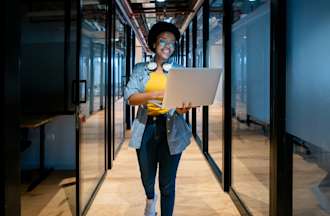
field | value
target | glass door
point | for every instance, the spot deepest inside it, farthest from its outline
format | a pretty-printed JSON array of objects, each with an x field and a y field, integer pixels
[
  {"x": 307, "y": 104},
  {"x": 250, "y": 84},
  {"x": 92, "y": 65},
  {"x": 215, "y": 60},
  {"x": 119, "y": 84}
]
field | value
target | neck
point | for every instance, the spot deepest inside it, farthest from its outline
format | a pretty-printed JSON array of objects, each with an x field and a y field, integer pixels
[{"x": 159, "y": 60}]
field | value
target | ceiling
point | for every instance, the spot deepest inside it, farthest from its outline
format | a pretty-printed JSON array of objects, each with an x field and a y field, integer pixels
[{"x": 148, "y": 12}]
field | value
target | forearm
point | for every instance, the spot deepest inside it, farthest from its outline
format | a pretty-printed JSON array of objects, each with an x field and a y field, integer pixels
[{"x": 140, "y": 98}]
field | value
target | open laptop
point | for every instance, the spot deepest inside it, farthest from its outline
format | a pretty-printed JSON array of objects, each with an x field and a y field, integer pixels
[{"x": 195, "y": 85}]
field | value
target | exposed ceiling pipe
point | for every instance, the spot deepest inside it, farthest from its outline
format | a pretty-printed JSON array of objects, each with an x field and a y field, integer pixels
[
  {"x": 125, "y": 8},
  {"x": 197, "y": 5}
]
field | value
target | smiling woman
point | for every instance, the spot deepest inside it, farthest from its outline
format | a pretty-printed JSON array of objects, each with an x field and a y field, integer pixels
[{"x": 158, "y": 135}]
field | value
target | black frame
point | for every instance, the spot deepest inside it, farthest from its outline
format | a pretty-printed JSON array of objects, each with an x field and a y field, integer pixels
[
  {"x": 281, "y": 152},
  {"x": 111, "y": 91},
  {"x": 10, "y": 200},
  {"x": 128, "y": 72},
  {"x": 227, "y": 147}
]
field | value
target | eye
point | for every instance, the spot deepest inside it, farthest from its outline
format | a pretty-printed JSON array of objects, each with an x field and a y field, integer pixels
[{"x": 164, "y": 42}]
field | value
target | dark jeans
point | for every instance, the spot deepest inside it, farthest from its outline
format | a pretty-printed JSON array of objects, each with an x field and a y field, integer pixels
[{"x": 154, "y": 149}]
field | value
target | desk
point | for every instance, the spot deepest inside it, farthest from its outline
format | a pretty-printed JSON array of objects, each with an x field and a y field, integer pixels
[{"x": 28, "y": 122}]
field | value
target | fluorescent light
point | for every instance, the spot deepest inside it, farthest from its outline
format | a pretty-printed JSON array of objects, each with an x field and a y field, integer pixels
[{"x": 160, "y": 0}]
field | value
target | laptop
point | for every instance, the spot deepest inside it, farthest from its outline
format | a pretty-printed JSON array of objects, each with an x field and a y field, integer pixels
[{"x": 195, "y": 85}]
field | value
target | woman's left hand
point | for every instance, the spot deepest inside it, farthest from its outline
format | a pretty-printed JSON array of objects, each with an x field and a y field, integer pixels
[{"x": 184, "y": 108}]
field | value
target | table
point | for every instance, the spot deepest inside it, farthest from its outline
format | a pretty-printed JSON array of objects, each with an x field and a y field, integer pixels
[{"x": 37, "y": 121}]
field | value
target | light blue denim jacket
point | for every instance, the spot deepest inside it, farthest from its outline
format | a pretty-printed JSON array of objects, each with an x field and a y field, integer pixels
[{"x": 178, "y": 132}]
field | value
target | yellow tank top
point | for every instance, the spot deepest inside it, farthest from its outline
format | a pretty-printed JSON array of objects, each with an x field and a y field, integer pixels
[{"x": 156, "y": 82}]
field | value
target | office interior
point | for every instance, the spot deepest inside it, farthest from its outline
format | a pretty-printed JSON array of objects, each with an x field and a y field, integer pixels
[{"x": 265, "y": 137}]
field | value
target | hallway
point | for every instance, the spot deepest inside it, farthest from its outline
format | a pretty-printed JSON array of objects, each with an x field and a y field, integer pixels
[{"x": 197, "y": 194}]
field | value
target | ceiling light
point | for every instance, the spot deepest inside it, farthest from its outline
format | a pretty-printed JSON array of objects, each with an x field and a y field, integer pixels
[{"x": 160, "y": 0}]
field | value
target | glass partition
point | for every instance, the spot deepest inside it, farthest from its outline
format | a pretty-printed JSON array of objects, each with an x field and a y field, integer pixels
[
  {"x": 47, "y": 68},
  {"x": 307, "y": 104},
  {"x": 190, "y": 47},
  {"x": 120, "y": 77},
  {"x": 184, "y": 54},
  {"x": 92, "y": 114},
  {"x": 190, "y": 57},
  {"x": 250, "y": 104},
  {"x": 199, "y": 63},
  {"x": 215, "y": 60}
]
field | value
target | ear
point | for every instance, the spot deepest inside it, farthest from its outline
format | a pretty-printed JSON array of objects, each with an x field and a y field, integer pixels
[{"x": 154, "y": 45}]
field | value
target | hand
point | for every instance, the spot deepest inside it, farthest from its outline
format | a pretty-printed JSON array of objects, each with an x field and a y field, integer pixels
[{"x": 184, "y": 108}]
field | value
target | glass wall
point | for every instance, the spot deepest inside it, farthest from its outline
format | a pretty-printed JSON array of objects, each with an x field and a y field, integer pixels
[
  {"x": 215, "y": 60},
  {"x": 189, "y": 49},
  {"x": 119, "y": 77},
  {"x": 92, "y": 117},
  {"x": 307, "y": 104},
  {"x": 250, "y": 104},
  {"x": 184, "y": 54},
  {"x": 199, "y": 63},
  {"x": 47, "y": 68},
  {"x": 189, "y": 56}
]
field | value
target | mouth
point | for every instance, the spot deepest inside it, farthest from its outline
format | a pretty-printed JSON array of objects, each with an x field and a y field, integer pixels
[{"x": 166, "y": 51}]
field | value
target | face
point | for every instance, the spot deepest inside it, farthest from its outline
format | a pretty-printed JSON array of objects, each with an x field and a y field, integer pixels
[{"x": 165, "y": 45}]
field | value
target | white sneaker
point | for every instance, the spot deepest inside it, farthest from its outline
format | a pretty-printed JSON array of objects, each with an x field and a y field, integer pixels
[{"x": 150, "y": 209}]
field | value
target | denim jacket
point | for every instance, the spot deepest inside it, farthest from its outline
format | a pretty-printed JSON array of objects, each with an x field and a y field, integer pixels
[{"x": 178, "y": 132}]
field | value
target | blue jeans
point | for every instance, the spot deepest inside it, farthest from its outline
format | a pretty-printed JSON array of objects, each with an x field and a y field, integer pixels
[{"x": 154, "y": 149}]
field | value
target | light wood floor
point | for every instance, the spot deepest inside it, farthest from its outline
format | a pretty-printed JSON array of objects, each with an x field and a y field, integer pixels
[{"x": 197, "y": 194}]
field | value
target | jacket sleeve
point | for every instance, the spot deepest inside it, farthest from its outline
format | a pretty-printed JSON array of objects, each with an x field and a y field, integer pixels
[{"x": 133, "y": 84}]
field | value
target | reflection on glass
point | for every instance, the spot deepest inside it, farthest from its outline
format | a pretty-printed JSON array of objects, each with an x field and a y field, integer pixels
[
  {"x": 307, "y": 104},
  {"x": 250, "y": 104},
  {"x": 216, "y": 61},
  {"x": 92, "y": 115},
  {"x": 120, "y": 73},
  {"x": 199, "y": 63}
]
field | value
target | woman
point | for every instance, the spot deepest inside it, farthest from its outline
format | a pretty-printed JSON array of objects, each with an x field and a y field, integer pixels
[{"x": 158, "y": 134}]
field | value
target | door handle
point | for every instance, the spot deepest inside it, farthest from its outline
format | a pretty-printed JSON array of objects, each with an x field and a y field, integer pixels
[
  {"x": 85, "y": 91},
  {"x": 74, "y": 95}
]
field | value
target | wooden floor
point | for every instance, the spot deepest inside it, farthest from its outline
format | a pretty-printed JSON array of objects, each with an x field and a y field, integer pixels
[{"x": 198, "y": 193}]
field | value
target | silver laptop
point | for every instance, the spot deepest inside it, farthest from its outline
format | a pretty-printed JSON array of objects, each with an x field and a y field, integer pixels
[{"x": 195, "y": 85}]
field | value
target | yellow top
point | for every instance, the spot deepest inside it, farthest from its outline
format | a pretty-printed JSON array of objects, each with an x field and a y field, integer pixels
[{"x": 157, "y": 82}]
